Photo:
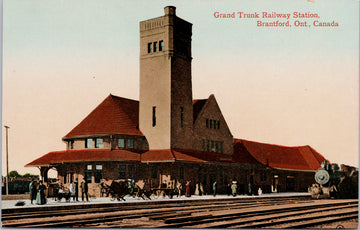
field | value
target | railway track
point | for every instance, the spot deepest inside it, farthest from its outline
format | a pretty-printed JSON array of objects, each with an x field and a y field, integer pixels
[{"x": 294, "y": 212}]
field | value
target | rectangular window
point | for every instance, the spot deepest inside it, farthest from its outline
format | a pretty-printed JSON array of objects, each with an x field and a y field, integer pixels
[
  {"x": 216, "y": 147},
  {"x": 161, "y": 45},
  {"x": 149, "y": 47},
  {"x": 72, "y": 144},
  {"x": 153, "y": 116},
  {"x": 65, "y": 177},
  {"x": 207, "y": 123},
  {"x": 88, "y": 174},
  {"x": 121, "y": 143},
  {"x": 212, "y": 146},
  {"x": 131, "y": 143},
  {"x": 155, "y": 46},
  {"x": 99, "y": 143},
  {"x": 218, "y": 124},
  {"x": 98, "y": 173},
  {"x": 211, "y": 124},
  {"x": 221, "y": 147},
  {"x": 181, "y": 116},
  {"x": 207, "y": 145},
  {"x": 122, "y": 171},
  {"x": 88, "y": 143}
]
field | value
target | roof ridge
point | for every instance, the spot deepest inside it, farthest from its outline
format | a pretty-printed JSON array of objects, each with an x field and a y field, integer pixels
[
  {"x": 123, "y": 98},
  {"x": 278, "y": 145}
]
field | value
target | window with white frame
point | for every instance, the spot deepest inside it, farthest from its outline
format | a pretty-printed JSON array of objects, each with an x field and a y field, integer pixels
[
  {"x": 99, "y": 143},
  {"x": 121, "y": 143},
  {"x": 88, "y": 143}
]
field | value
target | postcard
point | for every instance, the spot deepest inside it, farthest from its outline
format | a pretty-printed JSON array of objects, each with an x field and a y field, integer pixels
[{"x": 180, "y": 114}]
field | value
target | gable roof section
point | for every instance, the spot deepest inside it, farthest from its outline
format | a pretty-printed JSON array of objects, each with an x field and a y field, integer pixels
[
  {"x": 198, "y": 104},
  {"x": 281, "y": 157},
  {"x": 200, "y": 107},
  {"x": 115, "y": 115},
  {"x": 241, "y": 155},
  {"x": 85, "y": 155}
]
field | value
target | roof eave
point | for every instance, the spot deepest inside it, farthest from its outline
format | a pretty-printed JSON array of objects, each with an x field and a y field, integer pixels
[{"x": 298, "y": 170}]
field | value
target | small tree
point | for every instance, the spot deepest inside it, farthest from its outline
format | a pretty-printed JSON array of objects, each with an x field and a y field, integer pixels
[{"x": 14, "y": 173}]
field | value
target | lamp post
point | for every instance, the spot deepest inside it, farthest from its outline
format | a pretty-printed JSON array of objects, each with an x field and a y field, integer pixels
[{"x": 7, "y": 161}]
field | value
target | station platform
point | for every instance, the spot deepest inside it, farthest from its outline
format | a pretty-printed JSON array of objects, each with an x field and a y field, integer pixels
[{"x": 51, "y": 202}]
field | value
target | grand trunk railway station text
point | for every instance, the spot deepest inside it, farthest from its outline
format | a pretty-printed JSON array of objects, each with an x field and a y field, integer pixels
[{"x": 300, "y": 19}]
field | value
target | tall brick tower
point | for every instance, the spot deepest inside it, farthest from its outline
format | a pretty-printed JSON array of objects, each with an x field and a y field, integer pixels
[{"x": 166, "y": 107}]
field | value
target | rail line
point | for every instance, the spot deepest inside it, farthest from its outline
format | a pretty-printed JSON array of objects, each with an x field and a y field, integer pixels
[
  {"x": 293, "y": 212},
  {"x": 11, "y": 214}
]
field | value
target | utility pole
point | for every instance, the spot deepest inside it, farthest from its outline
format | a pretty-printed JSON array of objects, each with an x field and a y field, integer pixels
[{"x": 7, "y": 160}]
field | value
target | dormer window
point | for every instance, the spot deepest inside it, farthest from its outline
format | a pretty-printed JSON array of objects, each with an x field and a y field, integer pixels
[
  {"x": 88, "y": 143},
  {"x": 99, "y": 143},
  {"x": 121, "y": 143}
]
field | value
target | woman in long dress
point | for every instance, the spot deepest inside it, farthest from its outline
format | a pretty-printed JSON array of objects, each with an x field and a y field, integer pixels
[
  {"x": 188, "y": 193},
  {"x": 40, "y": 197},
  {"x": 234, "y": 188}
]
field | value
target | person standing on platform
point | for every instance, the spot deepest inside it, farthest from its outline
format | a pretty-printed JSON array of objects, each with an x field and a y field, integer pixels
[
  {"x": 179, "y": 188},
  {"x": 201, "y": 188},
  {"x": 188, "y": 193},
  {"x": 84, "y": 190},
  {"x": 234, "y": 188},
  {"x": 32, "y": 190},
  {"x": 250, "y": 192},
  {"x": 76, "y": 189},
  {"x": 214, "y": 188},
  {"x": 40, "y": 197},
  {"x": 72, "y": 190}
]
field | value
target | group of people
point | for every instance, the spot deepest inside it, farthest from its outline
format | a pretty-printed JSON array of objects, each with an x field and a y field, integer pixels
[
  {"x": 74, "y": 190},
  {"x": 37, "y": 192},
  {"x": 199, "y": 189},
  {"x": 232, "y": 189}
]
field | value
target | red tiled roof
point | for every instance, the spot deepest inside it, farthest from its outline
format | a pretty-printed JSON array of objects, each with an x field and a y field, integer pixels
[
  {"x": 166, "y": 155},
  {"x": 198, "y": 104},
  {"x": 158, "y": 155},
  {"x": 85, "y": 155},
  {"x": 162, "y": 155},
  {"x": 282, "y": 157},
  {"x": 205, "y": 156},
  {"x": 115, "y": 115},
  {"x": 182, "y": 155},
  {"x": 241, "y": 155}
]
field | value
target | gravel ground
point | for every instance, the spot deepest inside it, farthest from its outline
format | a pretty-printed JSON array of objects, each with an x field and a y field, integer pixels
[{"x": 7, "y": 204}]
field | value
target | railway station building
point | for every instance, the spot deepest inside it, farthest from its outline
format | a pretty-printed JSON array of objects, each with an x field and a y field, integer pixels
[{"x": 167, "y": 136}]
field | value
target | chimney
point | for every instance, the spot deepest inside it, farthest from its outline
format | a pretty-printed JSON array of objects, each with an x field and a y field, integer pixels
[{"x": 170, "y": 10}]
